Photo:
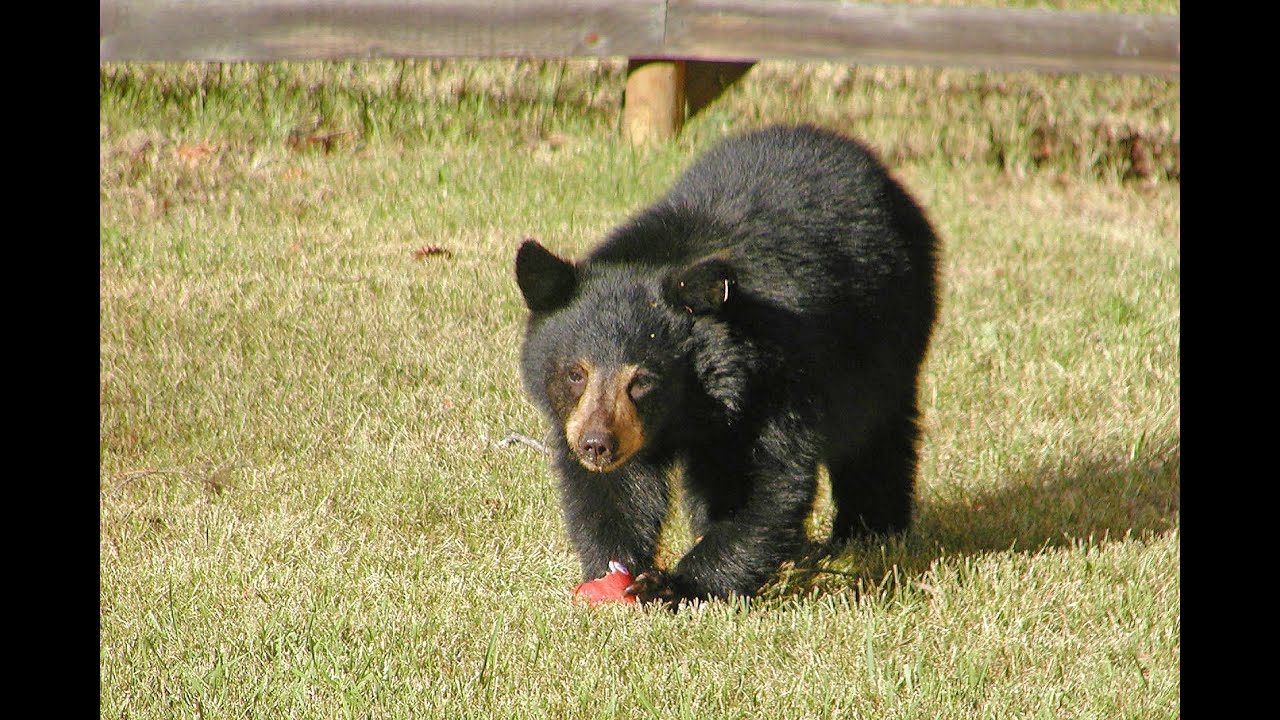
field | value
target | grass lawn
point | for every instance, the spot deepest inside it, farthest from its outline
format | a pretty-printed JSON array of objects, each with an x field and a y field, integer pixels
[{"x": 309, "y": 329}]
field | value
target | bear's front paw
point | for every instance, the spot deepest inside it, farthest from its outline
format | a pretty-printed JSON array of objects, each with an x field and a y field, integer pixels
[
  {"x": 658, "y": 586},
  {"x": 653, "y": 586}
]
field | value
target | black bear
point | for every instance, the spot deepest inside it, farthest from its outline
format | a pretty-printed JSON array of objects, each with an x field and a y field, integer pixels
[{"x": 769, "y": 314}]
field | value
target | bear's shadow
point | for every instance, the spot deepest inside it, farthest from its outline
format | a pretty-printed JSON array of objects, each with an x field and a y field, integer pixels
[{"x": 1091, "y": 498}]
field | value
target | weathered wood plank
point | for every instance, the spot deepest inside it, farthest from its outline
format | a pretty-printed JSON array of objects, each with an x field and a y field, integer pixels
[
  {"x": 263, "y": 30},
  {"x": 992, "y": 38}
]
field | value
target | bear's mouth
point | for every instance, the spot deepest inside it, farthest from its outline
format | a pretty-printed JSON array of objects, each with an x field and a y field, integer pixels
[
  {"x": 595, "y": 463},
  {"x": 596, "y": 467}
]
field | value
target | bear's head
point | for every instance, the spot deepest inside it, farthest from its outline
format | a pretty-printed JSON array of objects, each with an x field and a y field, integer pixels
[{"x": 611, "y": 348}]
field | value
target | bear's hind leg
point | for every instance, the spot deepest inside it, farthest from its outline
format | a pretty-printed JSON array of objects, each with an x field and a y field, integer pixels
[{"x": 873, "y": 488}]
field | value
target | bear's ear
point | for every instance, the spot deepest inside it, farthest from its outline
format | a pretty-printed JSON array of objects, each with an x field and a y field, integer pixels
[
  {"x": 701, "y": 288},
  {"x": 546, "y": 281}
]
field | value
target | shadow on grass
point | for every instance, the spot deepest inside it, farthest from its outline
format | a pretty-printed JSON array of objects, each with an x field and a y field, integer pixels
[{"x": 1041, "y": 508}]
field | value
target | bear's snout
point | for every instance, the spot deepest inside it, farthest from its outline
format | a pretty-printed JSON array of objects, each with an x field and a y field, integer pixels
[{"x": 598, "y": 448}]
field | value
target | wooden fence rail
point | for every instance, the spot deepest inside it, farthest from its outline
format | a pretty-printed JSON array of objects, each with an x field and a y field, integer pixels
[
  {"x": 674, "y": 31},
  {"x": 998, "y": 39}
]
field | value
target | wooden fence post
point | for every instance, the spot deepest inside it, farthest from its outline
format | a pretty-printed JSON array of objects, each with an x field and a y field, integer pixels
[{"x": 653, "y": 107}]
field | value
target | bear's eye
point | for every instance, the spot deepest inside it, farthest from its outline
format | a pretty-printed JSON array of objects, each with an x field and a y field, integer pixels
[
  {"x": 575, "y": 376},
  {"x": 641, "y": 384}
]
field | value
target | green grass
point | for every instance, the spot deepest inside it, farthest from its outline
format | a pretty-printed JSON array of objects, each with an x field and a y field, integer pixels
[{"x": 303, "y": 512}]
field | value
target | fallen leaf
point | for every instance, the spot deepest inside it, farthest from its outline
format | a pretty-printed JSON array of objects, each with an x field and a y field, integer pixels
[
  {"x": 193, "y": 154},
  {"x": 427, "y": 251}
]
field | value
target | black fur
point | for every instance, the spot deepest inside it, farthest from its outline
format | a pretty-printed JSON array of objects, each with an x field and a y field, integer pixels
[{"x": 782, "y": 294}]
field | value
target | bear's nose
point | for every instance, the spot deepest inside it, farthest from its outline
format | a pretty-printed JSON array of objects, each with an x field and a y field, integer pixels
[{"x": 598, "y": 447}]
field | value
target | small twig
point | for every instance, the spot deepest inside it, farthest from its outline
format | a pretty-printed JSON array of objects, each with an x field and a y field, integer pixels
[
  {"x": 132, "y": 474},
  {"x": 514, "y": 437}
]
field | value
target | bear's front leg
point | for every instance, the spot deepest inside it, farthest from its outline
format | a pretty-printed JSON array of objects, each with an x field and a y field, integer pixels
[
  {"x": 615, "y": 515},
  {"x": 754, "y": 496}
]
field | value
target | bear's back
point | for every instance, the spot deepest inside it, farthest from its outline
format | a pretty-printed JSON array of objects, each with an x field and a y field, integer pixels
[
  {"x": 811, "y": 220},
  {"x": 798, "y": 176}
]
